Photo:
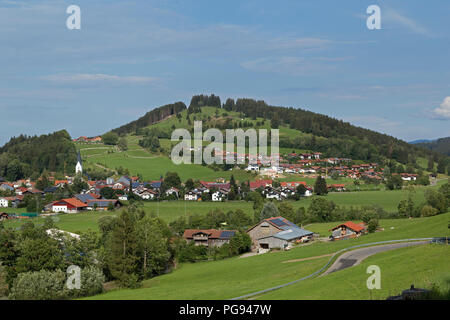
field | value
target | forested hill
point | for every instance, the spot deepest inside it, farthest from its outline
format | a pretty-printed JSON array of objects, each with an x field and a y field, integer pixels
[
  {"x": 328, "y": 135},
  {"x": 151, "y": 117},
  {"x": 25, "y": 156},
  {"x": 441, "y": 145}
]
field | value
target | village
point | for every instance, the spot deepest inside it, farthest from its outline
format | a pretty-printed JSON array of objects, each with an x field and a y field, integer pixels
[{"x": 273, "y": 233}]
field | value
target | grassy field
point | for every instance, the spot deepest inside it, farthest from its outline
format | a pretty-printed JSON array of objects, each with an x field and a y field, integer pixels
[
  {"x": 167, "y": 210},
  {"x": 386, "y": 199},
  {"x": 171, "y": 210},
  {"x": 233, "y": 277},
  {"x": 421, "y": 266}
]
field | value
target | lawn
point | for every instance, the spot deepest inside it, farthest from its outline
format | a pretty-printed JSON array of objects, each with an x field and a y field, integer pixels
[{"x": 234, "y": 277}]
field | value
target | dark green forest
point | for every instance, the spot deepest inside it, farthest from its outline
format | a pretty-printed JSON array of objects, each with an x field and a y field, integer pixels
[
  {"x": 26, "y": 156},
  {"x": 441, "y": 145},
  {"x": 151, "y": 117}
]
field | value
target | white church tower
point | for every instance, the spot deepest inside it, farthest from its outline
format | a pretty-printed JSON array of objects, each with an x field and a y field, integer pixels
[{"x": 79, "y": 166}]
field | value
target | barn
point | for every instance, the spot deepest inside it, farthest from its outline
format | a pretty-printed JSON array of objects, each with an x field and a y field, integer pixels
[{"x": 277, "y": 232}]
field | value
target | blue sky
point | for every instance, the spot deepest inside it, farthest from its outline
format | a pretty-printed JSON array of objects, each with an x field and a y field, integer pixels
[{"x": 132, "y": 56}]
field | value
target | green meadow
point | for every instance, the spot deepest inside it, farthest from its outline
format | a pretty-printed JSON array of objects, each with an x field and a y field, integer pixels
[
  {"x": 422, "y": 266},
  {"x": 236, "y": 276},
  {"x": 171, "y": 210}
]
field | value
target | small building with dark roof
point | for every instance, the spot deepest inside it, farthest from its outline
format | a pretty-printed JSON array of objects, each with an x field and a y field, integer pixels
[{"x": 348, "y": 230}]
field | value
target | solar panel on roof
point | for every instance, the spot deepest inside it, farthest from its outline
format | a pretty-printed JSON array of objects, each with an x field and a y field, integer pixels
[
  {"x": 227, "y": 234},
  {"x": 278, "y": 222}
]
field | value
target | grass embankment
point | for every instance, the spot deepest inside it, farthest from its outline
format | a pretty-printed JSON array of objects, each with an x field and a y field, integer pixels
[{"x": 422, "y": 266}]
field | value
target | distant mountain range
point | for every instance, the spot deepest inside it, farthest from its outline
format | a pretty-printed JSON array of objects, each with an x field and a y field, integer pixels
[
  {"x": 441, "y": 145},
  {"x": 421, "y": 141}
]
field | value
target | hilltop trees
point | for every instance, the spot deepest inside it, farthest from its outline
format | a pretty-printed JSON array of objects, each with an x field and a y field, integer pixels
[
  {"x": 110, "y": 138},
  {"x": 151, "y": 117},
  {"x": 199, "y": 101},
  {"x": 25, "y": 156}
]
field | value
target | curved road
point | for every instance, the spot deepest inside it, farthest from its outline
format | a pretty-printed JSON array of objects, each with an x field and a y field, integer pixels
[
  {"x": 355, "y": 257},
  {"x": 349, "y": 259}
]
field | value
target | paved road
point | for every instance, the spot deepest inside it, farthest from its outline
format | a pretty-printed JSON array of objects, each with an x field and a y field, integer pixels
[{"x": 355, "y": 257}]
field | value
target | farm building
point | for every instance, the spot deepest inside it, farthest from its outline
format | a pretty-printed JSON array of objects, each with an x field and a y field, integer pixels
[
  {"x": 72, "y": 205},
  {"x": 277, "y": 232},
  {"x": 209, "y": 238},
  {"x": 348, "y": 230},
  {"x": 103, "y": 204}
]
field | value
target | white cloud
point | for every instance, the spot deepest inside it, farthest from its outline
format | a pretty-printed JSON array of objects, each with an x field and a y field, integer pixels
[
  {"x": 443, "y": 111},
  {"x": 390, "y": 15}
]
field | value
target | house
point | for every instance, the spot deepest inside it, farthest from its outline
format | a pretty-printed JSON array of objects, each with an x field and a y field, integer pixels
[
  {"x": 10, "y": 201},
  {"x": 219, "y": 195},
  {"x": 209, "y": 238},
  {"x": 173, "y": 191},
  {"x": 6, "y": 187},
  {"x": 252, "y": 167},
  {"x": 123, "y": 197},
  {"x": 71, "y": 205},
  {"x": 147, "y": 194},
  {"x": 4, "y": 202},
  {"x": 277, "y": 232},
  {"x": 409, "y": 176},
  {"x": 348, "y": 230},
  {"x": 260, "y": 184},
  {"x": 4, "y": 216},
  {"x": 192, "y": 196},
  {"x": 337, "y": 187}
]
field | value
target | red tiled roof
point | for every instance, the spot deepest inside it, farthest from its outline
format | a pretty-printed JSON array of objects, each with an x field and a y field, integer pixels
[
  {"x": 259, "y": 183},
  {"x": 351, "y": 225},
  {"x": 75, "y": 202}
]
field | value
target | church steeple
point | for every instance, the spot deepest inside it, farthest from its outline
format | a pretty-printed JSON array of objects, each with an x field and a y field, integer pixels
[{"x": 79, "y": 166}]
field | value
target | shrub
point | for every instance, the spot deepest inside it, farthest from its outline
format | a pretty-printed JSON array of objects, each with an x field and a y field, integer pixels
[
  {"x": 372, "y": 225},
  {"x": 428, "y": 211},
  {"x": 39, "y": 285},
  {"x": 51, "y": 285}
]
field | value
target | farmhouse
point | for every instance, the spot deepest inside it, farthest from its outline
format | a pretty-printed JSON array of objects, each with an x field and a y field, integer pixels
[
  {"x": 72, "y": 205},
  {"x": 209, "y": 238},
  {"x": 277, "y": 232},
  {"x": 348, "y": 230},
  {"x": 10, "y": 201}
]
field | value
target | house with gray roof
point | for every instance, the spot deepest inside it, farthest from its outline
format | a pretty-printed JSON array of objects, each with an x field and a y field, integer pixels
[{"x": 277, "y": 233}]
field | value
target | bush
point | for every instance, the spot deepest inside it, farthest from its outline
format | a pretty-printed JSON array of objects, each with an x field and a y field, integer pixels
[
  {"x": 428, "y": 211},
  {"x": 372, "y": 226},
  {"x": 39, "y": 285},
  {"x": 51, "y": 285},
  {"x": 92, "y": 280}
]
